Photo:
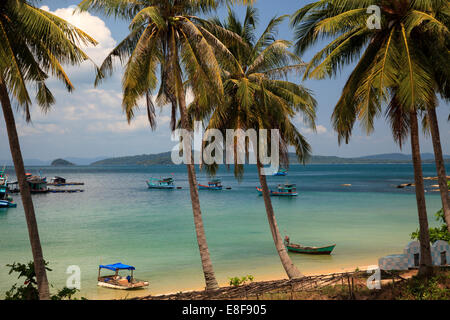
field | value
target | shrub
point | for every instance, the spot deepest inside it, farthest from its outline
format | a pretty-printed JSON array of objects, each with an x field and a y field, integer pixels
[{"x": 29, "y": 289}]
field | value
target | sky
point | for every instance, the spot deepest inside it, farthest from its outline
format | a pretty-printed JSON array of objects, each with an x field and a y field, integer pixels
[{"x": 89, "y": 122}]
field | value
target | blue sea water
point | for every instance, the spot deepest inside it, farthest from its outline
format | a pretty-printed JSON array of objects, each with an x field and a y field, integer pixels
[{"x": 117, "y": 219}]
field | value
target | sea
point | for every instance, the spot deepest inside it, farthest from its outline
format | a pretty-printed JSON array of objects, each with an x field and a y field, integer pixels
[{"x": 118, "y": 219}]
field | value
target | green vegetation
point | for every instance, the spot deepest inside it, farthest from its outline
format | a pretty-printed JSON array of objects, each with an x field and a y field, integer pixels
[
  {"x": 165, "y": 159},
  {"x": 34, "y": 46},
  {"x": 398, "y": 73},
  {"x": 434, "y": 288},
  {"x": 438, "y": 233},
  {"x": 61, "y": 163},
  {"x": 236, "y": 281},
  {"x": 29, "y": 289}
]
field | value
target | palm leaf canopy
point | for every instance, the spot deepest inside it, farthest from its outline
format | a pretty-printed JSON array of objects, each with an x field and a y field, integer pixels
[
  {"x": 164, "y": 36},
  {"x": 33, "y": 45},
  {"x": 258, "y": 94},
  {"x": 400, "y": 64}
]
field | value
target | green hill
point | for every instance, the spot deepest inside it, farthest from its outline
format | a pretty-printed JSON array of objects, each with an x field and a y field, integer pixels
[
  {"x": 165, "y": 159},
  {"x": 61, "y": 163}
]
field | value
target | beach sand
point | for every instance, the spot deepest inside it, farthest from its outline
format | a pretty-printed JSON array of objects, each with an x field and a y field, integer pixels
[{"x": 108, "y": 294}]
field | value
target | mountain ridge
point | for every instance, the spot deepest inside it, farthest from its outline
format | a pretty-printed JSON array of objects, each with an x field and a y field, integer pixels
[{"x": 164, "y": 158}]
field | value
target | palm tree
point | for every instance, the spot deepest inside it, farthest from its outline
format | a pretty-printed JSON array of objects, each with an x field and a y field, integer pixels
[
  {"x": 392, "y": 68},
  {"x": 257, "y": 98},
  {"x": 166, "y": 34},
  {"x": 33, "y": 44}
]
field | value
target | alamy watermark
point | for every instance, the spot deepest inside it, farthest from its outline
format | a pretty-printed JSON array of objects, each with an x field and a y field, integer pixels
[
  {"x": 74, "y": 280},
  {"x": 237, "y": 144},
  {"x": 374, "y": 281},
  {"x": 374, "y": 20}
]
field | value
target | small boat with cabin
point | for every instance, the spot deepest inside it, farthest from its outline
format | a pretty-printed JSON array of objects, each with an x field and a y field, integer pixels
[
  {"x": 37, "y": 184},
  {"x": 6, "y": 201},
  {"x": 215, "y": 184},
  {"x": 286, "y": 190},
  {"x": 3, "y": 177},
  {"x": 297, "y": 248},
  {"x": 166, "y": 183},
  {"x": 57, "y": 181},
  {"x": 116, "y": 281}
]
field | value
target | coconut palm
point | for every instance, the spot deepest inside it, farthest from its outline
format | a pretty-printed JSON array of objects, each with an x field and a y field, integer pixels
[
  {"x": 33, "y": 45},
  {"x": 257, "y": 97},
  {"x": 165, "y": 35},
  {"x": 391, "y": 68}
]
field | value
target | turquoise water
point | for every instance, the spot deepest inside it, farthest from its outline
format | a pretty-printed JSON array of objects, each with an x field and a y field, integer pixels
[{"x": 117, "y": 219}]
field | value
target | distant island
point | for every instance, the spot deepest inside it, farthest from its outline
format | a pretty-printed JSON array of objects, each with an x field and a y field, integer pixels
[
  {"x": 165, "y": 159},
  {"x": 61, "y": 163}
]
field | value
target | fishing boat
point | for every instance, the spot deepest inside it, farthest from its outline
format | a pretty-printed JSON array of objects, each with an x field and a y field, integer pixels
[
  {"x": 215, "y": 184},
  {"x": 37, "y": 184},
  {"x": 286, "y": 190},
  {"x": 281, "y": 172},
  {"x": 6, "y": 201},
  {"x": 116, "y": 281},
  {"x": 58, "y": 180},
  {"x": 166, "y": 183},
  {"x": 297, "y": 248},
  {"x": 3, "y": 177}
]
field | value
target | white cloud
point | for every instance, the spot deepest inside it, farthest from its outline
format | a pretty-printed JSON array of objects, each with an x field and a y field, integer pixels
[
  {"x": 320, "y": 129},
  {"x": 93, "y": 26}
]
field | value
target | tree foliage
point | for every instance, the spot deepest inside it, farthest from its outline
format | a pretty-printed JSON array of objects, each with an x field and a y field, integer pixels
[{"x": 29, "y": 290}]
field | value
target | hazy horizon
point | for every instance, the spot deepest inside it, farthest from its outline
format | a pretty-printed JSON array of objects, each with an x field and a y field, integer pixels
[{"x": 90, "y": 122}]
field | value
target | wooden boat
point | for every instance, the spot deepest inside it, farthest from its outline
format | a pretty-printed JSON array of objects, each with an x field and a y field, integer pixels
[
  {"x": 297, "y": 248},
  {"x": 3, "y": 177},
  {"x": 37, "y": 184},
  {"x": 6, "y": 201},
  {"x": 215, "y": 184},
  {"x": 281, "y": 172},
  {"x": 286, "y": 190},
  {"x": 62, "y": 182},
  {"x": 166, "y": 183},
  {"x": 116, "y": 281}
]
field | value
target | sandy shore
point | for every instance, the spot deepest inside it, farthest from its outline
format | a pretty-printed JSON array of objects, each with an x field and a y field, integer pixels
[{"x": 119, "y": 294}]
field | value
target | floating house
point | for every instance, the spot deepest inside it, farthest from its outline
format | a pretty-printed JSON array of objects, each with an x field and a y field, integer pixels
[
  {"x": 410, "y": 259},
  {"x": 37, "y": 184}
]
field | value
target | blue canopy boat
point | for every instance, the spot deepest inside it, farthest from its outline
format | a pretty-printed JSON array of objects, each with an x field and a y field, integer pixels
[
  {"x": 286, "y": 190},
  {"x": 281, "y": 172},
  {"x": 116, "y": 281},
  {"x": 215, "y": 184},
  {"x": 166, "y": 183}
]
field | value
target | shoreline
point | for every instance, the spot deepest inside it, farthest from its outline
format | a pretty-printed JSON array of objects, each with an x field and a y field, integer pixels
[{"x": 114, "y": 294}]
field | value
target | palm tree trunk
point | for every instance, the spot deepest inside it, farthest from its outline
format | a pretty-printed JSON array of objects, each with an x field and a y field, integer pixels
[
  {"x": 38, "y": 258},
  {"x": 288, "y": 265},
  {"x": 208, "y": 271},
  {"x": 440, "y": 167},
  {"x": 425, "y": 268}
]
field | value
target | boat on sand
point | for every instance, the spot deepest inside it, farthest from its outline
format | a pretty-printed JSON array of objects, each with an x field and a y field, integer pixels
[{"x": 116, "y": 281}]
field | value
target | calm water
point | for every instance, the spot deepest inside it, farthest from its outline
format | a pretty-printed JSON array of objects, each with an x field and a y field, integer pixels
[{"x": 117, "y": 219}]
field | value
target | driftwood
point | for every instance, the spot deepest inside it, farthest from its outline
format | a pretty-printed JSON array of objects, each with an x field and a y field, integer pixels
[{"x": 257, "y": 289}]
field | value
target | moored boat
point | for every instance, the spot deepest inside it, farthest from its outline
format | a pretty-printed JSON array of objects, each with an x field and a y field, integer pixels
[
  {"x": 37, "y": 184},
  {"x": 6, "y": 201},
  {"x": 281, "y": 172},
  {"x": 116, "y": 281},
  {"x": 286, "y": 190},
  {"x": 215, "y": 184},
  {"x": 297, "y": 248},
  {"x": 166, "y": 183}
]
